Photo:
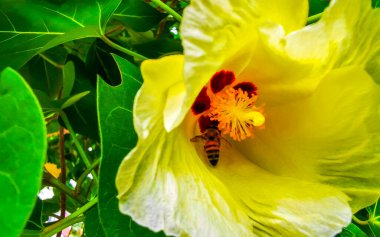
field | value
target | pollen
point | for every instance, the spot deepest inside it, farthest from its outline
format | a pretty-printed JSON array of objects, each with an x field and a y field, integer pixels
[{"x": 236, "y": 113}]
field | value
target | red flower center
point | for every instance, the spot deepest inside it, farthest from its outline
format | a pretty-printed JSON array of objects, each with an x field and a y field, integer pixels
[{"x": 230, "y": 108}]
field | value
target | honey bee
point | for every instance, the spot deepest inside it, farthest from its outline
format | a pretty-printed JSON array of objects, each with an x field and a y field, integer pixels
[{"x": 212, "y": 140}]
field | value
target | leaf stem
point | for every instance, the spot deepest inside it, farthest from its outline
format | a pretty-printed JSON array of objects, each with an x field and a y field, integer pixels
[
  {"x": 170, "y": 10},
  {"x": 314, "y": 18},
  {"x": 78, "y": 145},
  {"x": 57, "y": 65},
  {"x": 68, "y": 221},
  {"x": 122, "y": 49},
  {"x": 84, "y": 175},
  {"x": 360, "y": 222}
]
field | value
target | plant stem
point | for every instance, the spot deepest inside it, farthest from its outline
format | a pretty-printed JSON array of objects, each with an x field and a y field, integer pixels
[
  {"x": 78, "y": 145},
  {"x": 68, "y": 221},
  {"x": 170, "y": 10},
  {"x": 360, "y": 222},
  {"x": 84, "y": 175},
  {"x": 54, "y": 228},
  {"x": 122, "y": 49},
  {"x": 313, "y": 18},
  {"x": 57, "y": 65}
]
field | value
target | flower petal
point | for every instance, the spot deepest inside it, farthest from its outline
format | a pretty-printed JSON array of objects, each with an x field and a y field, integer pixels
[
  {"x": 331, "y": 137},
  {"x": 170, "y": 188},
  {"x": 223, "y": 35},
  {"x": 157, "y": 190},
  {"x": 212, "y": 34},
  {"x": 161, "y": 78},
  {"x": 347, "y": 34},
  {"x": 287, "y": 67},
  {"x": 165, "y": 184},
  {"x": 282, "y": 206},
  {"x": 290, "y": 14},
  {"x": 278, "y": 77}
]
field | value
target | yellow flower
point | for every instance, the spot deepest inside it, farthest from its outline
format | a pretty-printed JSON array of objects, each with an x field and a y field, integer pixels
[{"x": 294, "y": 109}]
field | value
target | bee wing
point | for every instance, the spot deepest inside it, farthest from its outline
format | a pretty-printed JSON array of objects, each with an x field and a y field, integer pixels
[
  {"x": 224, "y": 142},
  {"x": 198, "y": 138}
]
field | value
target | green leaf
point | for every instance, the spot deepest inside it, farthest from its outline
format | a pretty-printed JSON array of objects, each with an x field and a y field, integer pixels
[
  {"x": 47, "y": 104},
  {"x": 73, "y": 99},
  {"x": 68, "y": 79},
  {"x": 317, "y": 6},
  {"x": 138, "y": 15},
  {"x": 23, "y": 151},
  {"x": 30, "y": 27},
  {"x": 92, "y": 226},
  {"x": 35, "y": 221},
  {"x": 352, "y": 231},
  {"x": 83, "y": 115},
  {"x": 43, "y": 74},
  {"x": 118, "y": 138},
  {"x": 54, "y": 106},
  {"x": 160, "y": 47},
  {"x": 100, "y": 59},
  {"x": 376, "y": 3}
]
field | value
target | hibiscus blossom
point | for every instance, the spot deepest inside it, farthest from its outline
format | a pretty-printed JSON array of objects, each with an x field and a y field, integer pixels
[{"x": 264, "y": 127}]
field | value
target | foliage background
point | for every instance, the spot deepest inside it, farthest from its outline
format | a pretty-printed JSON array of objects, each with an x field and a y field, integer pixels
[{"x": 69, "y": 74}]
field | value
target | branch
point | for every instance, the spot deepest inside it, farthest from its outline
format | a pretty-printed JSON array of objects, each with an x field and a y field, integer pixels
[{"x": 62, "y": 162}]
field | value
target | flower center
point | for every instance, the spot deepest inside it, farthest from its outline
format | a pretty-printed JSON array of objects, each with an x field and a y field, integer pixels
[
  {"x": 229, "y": 106},
  {"x": 236, "y": 113}
]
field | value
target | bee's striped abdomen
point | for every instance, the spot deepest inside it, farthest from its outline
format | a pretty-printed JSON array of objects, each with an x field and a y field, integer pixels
[{"x": 212, "y": 150}]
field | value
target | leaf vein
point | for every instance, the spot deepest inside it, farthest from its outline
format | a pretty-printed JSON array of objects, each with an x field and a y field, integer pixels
[
  {"x": 9, "y": 20},
  {"x": 14, "y": 36},
  {"x": 32, "y": 32},
  {"x": 132, "y": 16},
  {"x": 47, "y": 28},
  {"x": 131, "y": 77},
  {"x": 28, "y": 50},
  {"x": 11, "y": 180},
  {"x": 66, "y": 16}
]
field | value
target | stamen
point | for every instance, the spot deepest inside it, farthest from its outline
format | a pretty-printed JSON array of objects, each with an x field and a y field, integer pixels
[{"x": 236, "y": 113}]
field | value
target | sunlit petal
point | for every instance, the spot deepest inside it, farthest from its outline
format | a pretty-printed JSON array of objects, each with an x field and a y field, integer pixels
[
  {"x": 332, "y": 137},
  {"x": 166, "y": 182}
]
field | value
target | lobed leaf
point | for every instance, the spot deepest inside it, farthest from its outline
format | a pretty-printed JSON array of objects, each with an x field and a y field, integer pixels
[
  {"x": 30, "y": 27},
  {"x": 118, "y": 137},
  {"x": 138, "y": 15}
]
